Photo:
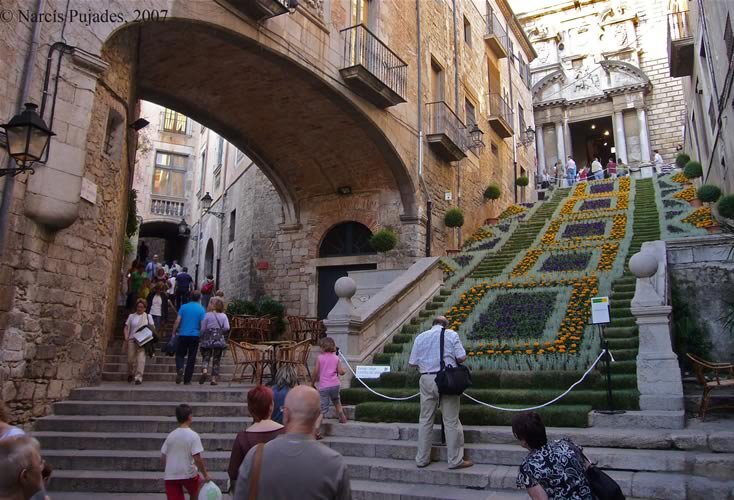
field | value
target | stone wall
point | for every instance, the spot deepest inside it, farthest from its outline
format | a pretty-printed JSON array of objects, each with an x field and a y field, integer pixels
[
  {"x": 57, "y": 316},
  {"x": 702, "y": 272}
]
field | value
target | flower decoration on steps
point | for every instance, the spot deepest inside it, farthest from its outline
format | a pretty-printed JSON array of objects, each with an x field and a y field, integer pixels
[
  {"x": 688, "y": 194},
  {"x": 480, "y": 234},
  {"x": 512, "y": 211},
  {"x": 680, "y": 178},
  {"x": 701, "y": 218}
]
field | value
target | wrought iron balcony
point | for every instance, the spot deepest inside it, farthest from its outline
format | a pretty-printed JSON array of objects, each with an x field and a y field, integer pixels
[
  {"x": 371, "y": 69},
  {"x": 446, "y": 134},
  {"x": 262, "y": 9},
  {"x": 167, "y": 206},
  {"x": 495, "y": 35},
  {"x": 680, "y": 44},
  {"x": 501, "y": 117}
]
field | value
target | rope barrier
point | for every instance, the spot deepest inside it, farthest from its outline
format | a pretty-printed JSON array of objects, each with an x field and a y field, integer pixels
[
  {"x": 557, "y": 398},
  {"x": 372, "y": 390},
  {"x": 552, "y": 400}
]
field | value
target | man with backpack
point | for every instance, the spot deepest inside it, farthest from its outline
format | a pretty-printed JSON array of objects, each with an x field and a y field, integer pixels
[{"x": 207, "y": 290}]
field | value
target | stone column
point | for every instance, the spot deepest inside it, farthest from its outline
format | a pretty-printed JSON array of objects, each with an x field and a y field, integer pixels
[
  {"x": 644, "y": 140},
  {"x": 342, "y": 324},
  {"x": 540, "y": 148},
  {"x": 658, "y": 373},
  {"x": 567, "y": 138},
  {"x": 620, "y": 140},
  {"x": 560, "y": 142}
]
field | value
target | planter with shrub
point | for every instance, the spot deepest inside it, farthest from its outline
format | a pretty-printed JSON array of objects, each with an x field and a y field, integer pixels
[
  {"x": 681, "y": 159},
  {"x": 708, "y": 193},
  {"x": 384, "y": 240},
  {"x": 492, "y": 193},
  {"x": 726, "y": 206},
  {"x": 454, "y": 217},
  {"x": 522, "y": 181},
  {"x": 693, "y": 170}
]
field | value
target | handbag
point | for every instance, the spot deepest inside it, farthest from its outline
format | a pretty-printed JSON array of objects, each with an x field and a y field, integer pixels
[
  {"x": 144, "y": 334},
  {"x": 213, "y": 337},
  {"x": 171, "y": 346},
  {"x": 254, "y": 478},
  {"x": 452, "y": 380},
  {"x": 602, "y": 486}
]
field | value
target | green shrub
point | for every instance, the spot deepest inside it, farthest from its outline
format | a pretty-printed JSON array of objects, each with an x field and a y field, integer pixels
[
  {"x": 127, "y": 246},
  {"x": 240, "y": 307},
  {"x": 268, "y": 306},
  {"x": 132, "y": 213},
  {"x": 384, "y": 240},
  {"x": 393, "y": 348},
  {"x": 493, "y": 192},
  {"x": 522, "y": 181},
  {"x": 693, "y": 169},
  {"x": 681, "y": 159},
  {"x": 726, "y": 206},
  {"x": 553, "y": 416},
  {"x": 708, "y": 193},
  {"x": 454, "y": 217}
]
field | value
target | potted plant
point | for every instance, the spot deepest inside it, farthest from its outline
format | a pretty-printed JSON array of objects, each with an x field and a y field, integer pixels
[
  {"x": 522, "y": 181},
  {"x": 492, "y": 193},
  {"x": 693, "y": 170},
  {"x": 454, "y": 218},
  {"x": 708, "y": 193},
  {"x": 384, "y": 240},
  {"x": 681, "y": 159},
  {"x": 724, "y": 212}
]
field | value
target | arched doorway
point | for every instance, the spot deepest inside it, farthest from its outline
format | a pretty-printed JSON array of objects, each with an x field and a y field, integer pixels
[
  {"x": 346, "y": 239},
  {"x": 161, "y": 238},
  {"x": 209, "y": 259}
]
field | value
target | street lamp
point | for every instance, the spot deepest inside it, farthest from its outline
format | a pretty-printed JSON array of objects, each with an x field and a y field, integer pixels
[
  {"x": 28, "y": 137},
  {"x": 206, "y": 205},
  {"x": 528, "y": 136},
  {"x": 476, "y": 143},
  {"x": 183, "y": 228}
]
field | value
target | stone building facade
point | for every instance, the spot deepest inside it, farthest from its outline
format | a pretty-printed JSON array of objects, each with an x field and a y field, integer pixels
[
  {"x": 306, "y": 95},
  {"x": 601, "y": 84},
  {"x": 701, "y": 48}
]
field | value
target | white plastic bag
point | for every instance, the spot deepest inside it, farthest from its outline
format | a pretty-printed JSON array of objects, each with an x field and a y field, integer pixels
[{"x": 210, "y": 491}]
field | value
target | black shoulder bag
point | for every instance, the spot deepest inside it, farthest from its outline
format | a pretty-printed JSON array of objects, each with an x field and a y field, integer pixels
[
  {"x": 602, "y": 486},
  {"x": 452, "y": 380}
]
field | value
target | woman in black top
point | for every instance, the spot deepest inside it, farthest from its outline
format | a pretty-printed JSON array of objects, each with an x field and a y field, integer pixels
[{"x": 551, "y": 471}]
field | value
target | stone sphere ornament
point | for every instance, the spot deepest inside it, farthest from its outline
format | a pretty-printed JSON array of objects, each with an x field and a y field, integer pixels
[
  {"x": 345, "y": 287},
  {"x": 643, "y": 265}
]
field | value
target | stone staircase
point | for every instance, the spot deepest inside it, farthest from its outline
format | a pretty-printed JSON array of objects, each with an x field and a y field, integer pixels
[{"x": 494, "y": 264}]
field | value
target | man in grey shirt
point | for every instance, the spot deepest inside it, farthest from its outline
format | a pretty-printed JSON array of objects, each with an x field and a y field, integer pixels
[{"x": 295, "y": 465}]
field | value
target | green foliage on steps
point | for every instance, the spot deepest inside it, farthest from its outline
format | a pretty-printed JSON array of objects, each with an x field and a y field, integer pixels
[
  {"x": 627, "y": 399},
  {"x": 553, "y": 416},
  {"x": 693, "y": 169}
]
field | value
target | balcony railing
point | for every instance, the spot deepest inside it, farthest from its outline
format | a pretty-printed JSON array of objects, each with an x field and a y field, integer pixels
[
  {"x": 501, "y": 116},
  {"x": 446, "y": 133},
  {"x": 680, "y": 44},
  {"x": 495, "y": 35},
  {"x": 167, "y": 207},
  {"x": 373, "y": 70},
  {"x": 262, "y": 9}
]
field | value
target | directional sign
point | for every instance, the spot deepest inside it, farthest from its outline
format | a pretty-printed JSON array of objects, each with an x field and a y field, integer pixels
[{"x": 371, "y": 371}]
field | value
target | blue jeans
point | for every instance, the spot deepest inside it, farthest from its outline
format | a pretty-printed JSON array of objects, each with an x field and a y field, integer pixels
[{"x": 188, "y": 345}]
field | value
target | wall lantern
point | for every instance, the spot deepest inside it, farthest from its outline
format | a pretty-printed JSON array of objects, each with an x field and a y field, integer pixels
[
  {"x": 206, "y": 205},
  {"x": 28, "y": 137},
  {"x": 529, "y": 136},
  {"x": 183, "y": 228},
  {"x": 476, "y": 143}
]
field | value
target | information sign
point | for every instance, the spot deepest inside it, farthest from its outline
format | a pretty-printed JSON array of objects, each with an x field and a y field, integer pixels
[
  {"x": 371, "y": 371},
  {"x": 600, "y": 310}
]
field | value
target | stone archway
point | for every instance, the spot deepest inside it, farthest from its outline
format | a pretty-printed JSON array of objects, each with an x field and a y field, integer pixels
[
  {"x": 306, "y": 137},
  {"x": 209, "y": 259}
]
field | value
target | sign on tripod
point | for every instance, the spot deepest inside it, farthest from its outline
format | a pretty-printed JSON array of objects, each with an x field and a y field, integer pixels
[{"x": 600, "y": 310}]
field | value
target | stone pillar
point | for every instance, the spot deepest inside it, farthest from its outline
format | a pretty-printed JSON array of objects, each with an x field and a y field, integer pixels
[
  {"x": 567, "y": 138},
  {"x": 540, "y": 148},
  {"x": 658, "y": 374},
  {"x": 560, "y": 143},
  {"x": 343, "y": 325},
  {"x": 644, "y": 140},
  {"x": 620, "y": 141}
]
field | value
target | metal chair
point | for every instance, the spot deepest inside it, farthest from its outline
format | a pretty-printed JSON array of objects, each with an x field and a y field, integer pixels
[{"x": 700, "y": 367}]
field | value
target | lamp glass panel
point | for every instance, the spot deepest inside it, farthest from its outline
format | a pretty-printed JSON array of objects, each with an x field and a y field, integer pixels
[
  {"x": 16, "y": 142},
  {"x": 37, "y": 143}
]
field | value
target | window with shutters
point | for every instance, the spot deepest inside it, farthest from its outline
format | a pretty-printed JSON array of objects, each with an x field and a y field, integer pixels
[
  {"x": 521, "y": 118},
  {"x": 471, "y": 115},
  {"x": 728, "y": 38}
]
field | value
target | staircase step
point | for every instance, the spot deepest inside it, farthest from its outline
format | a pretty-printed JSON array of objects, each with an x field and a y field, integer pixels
[
  {"x": 125, "y": 440},
  {"x": 386, "y": 490},
  {"x": 194, "y": 393},
  {"x": 147, "y": 408},
  {"x": 224, "y": 368},
  {"x": 116, "y": 481},
  {"x": 620, "y": 331}
]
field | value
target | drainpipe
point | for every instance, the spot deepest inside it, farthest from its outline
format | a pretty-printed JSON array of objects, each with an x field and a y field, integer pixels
[
  {"x": 419, "y": 65},
  {"x": 456, "y": 105},
  {"x": 512, "y": 110},
  {"x": 26, "y": 79}
]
